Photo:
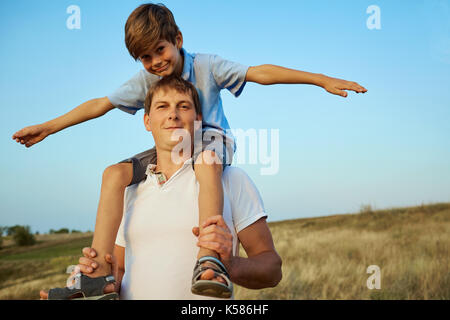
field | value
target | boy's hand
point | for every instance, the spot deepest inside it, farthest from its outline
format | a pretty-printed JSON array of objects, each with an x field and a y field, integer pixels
[
  {"x": 337, "y": 86},
  {"x": 31, "y": 135}
]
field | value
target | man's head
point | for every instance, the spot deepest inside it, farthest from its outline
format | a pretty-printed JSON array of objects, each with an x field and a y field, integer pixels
[
  {"x": 153, "y": 37},
  {"x": 171, "y": 106}
]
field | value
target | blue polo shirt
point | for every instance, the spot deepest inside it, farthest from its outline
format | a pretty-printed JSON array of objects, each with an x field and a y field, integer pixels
[{"x": 208, "y": 73}]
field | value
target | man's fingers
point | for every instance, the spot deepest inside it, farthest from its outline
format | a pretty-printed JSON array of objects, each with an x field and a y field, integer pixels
[
  {"x": 218, "y": 219},
  {"x": 43, "y": 295},
  {"x": 214, "y": 237},
  {"x": 211, "y": 245},
  {"x": 196, "y": 231},
  {"x": 89, "y": 252},
  {"x": 109, "y": 258},
  {"x": 215, "y": 229}
]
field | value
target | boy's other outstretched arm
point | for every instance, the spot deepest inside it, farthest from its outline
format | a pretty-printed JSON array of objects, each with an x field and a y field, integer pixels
[
  {"x": 270, "y": 74},
  {"x": 86, "y": 111}
]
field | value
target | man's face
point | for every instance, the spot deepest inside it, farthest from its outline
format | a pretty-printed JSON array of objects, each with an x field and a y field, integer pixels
[
  {"x": 170, "y": 112},
  {"x": 164, "y": 58}
]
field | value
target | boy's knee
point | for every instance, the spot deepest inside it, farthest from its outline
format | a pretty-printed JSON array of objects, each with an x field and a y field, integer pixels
[{"x": 118, "y": 174}]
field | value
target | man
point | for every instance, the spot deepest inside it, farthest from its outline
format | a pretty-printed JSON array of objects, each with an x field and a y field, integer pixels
[{"x": 155, "y": 250}]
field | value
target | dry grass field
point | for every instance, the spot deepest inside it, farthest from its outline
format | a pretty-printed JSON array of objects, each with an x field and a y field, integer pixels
[{"x": 323, "y": 258}]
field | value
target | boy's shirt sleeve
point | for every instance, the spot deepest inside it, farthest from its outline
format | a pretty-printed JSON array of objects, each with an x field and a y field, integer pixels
[
  {"x": 228, "y": 75},
  {"x": 130, "y": 96}
]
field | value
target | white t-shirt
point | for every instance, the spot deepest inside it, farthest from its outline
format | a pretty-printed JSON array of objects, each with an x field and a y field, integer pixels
[{"x": 156, "y": 230}]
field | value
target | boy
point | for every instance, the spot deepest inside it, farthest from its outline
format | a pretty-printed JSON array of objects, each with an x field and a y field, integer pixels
[{"x": 152, "y": 37}]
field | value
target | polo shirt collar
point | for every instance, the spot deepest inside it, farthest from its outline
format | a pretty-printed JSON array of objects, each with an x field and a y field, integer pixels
[
  {"x": 187, "y": 65},
  {"x": 161, "y": 177}
]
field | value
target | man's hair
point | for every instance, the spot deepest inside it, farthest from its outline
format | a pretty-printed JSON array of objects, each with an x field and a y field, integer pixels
[
  {"x": 173, "y": 82},
  {"x": 148, "y": 24}
]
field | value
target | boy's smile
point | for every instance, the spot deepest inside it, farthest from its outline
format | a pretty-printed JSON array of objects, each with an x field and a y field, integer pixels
[{"x": 164, "y": 58}]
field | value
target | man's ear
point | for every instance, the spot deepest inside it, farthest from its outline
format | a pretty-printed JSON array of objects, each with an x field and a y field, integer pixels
[
  {"x": 179, "y": 40},
  {"x": 147, "y": 122}
]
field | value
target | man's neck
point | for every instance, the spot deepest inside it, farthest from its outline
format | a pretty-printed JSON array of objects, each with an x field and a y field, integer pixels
[{"x": 166, "y": 164}]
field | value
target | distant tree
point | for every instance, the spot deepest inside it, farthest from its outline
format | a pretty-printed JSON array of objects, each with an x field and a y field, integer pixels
[
  {"x": 12, "y": 230},
  {"x": 75, "y": 231},
  {"x": 62, "y": 230},
  {"x": 1, "y": 237},
  {"x": 23, "y": 237}
]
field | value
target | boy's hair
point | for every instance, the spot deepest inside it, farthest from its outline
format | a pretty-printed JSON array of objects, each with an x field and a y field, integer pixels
[
  {"x": 173, "y": 82},
  {"x": 148, "y": 24}
]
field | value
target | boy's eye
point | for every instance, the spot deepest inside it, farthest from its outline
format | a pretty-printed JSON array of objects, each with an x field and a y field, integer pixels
[{"x": 160, "y": 49}]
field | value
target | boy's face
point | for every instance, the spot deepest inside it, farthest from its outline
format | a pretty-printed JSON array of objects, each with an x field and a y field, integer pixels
[
  {"x": 164, "y": 58},
  {"x": 170, "y": 111}
]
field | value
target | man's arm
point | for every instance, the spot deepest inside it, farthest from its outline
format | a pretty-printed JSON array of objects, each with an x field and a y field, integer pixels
[
  {"x": 86, "y": 111},
  {"x": 261, "y": 268},
  {"x": 268, "y": 74}
]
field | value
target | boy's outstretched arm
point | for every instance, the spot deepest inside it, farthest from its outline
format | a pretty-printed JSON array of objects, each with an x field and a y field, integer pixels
[
  {"x": 270, "y": 74},
  {"x": 86, "y": 111}
]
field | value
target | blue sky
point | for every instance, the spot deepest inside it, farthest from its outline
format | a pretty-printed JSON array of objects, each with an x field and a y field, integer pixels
[{"x": 389, "y": 147}]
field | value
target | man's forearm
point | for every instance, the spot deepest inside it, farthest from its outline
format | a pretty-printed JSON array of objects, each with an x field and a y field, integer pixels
[
  {"x": 86, "y": 111},
  {"x": 270, "y": 74},
  {"x": 257, "y": 272}
]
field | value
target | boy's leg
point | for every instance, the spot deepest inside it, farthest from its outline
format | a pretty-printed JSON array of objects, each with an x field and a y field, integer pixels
[
  {"x": 208, "y": 171},
  {"x": 116, "y": 179},
  {"x": 109, "y": 214}
]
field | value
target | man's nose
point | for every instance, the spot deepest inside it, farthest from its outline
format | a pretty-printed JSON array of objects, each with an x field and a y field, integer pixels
[{"x": 173, "y": 113}]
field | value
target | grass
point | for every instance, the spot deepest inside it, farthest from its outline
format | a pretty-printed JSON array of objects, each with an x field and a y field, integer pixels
[{"x": 323, "y": 258}]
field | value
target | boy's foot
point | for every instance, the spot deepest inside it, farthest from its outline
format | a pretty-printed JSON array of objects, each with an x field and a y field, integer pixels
[
  {"x": 211, "y": 279},
  {"x": 84, "y": 287}
]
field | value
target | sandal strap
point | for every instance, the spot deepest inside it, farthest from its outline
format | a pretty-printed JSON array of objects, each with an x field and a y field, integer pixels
[
  {"x": 217, "y": 266},
  {"x": 89, "y": 287}
]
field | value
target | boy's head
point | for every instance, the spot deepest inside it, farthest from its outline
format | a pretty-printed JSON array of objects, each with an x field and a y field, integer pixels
[
  {"x": 171, "y": 106},
  {"x": 153, "y": 37}
]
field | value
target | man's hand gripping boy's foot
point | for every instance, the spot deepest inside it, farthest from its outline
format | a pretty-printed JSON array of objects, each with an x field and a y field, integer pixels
[{"x": 79, "y": 285}]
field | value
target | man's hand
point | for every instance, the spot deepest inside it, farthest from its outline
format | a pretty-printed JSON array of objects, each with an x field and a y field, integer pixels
[
  {"x": 31, "y": 135},
  {"x": 337, "y": 86},
  {"x": 87, "y": 265},
  {"x": 216, "y": 236}
]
